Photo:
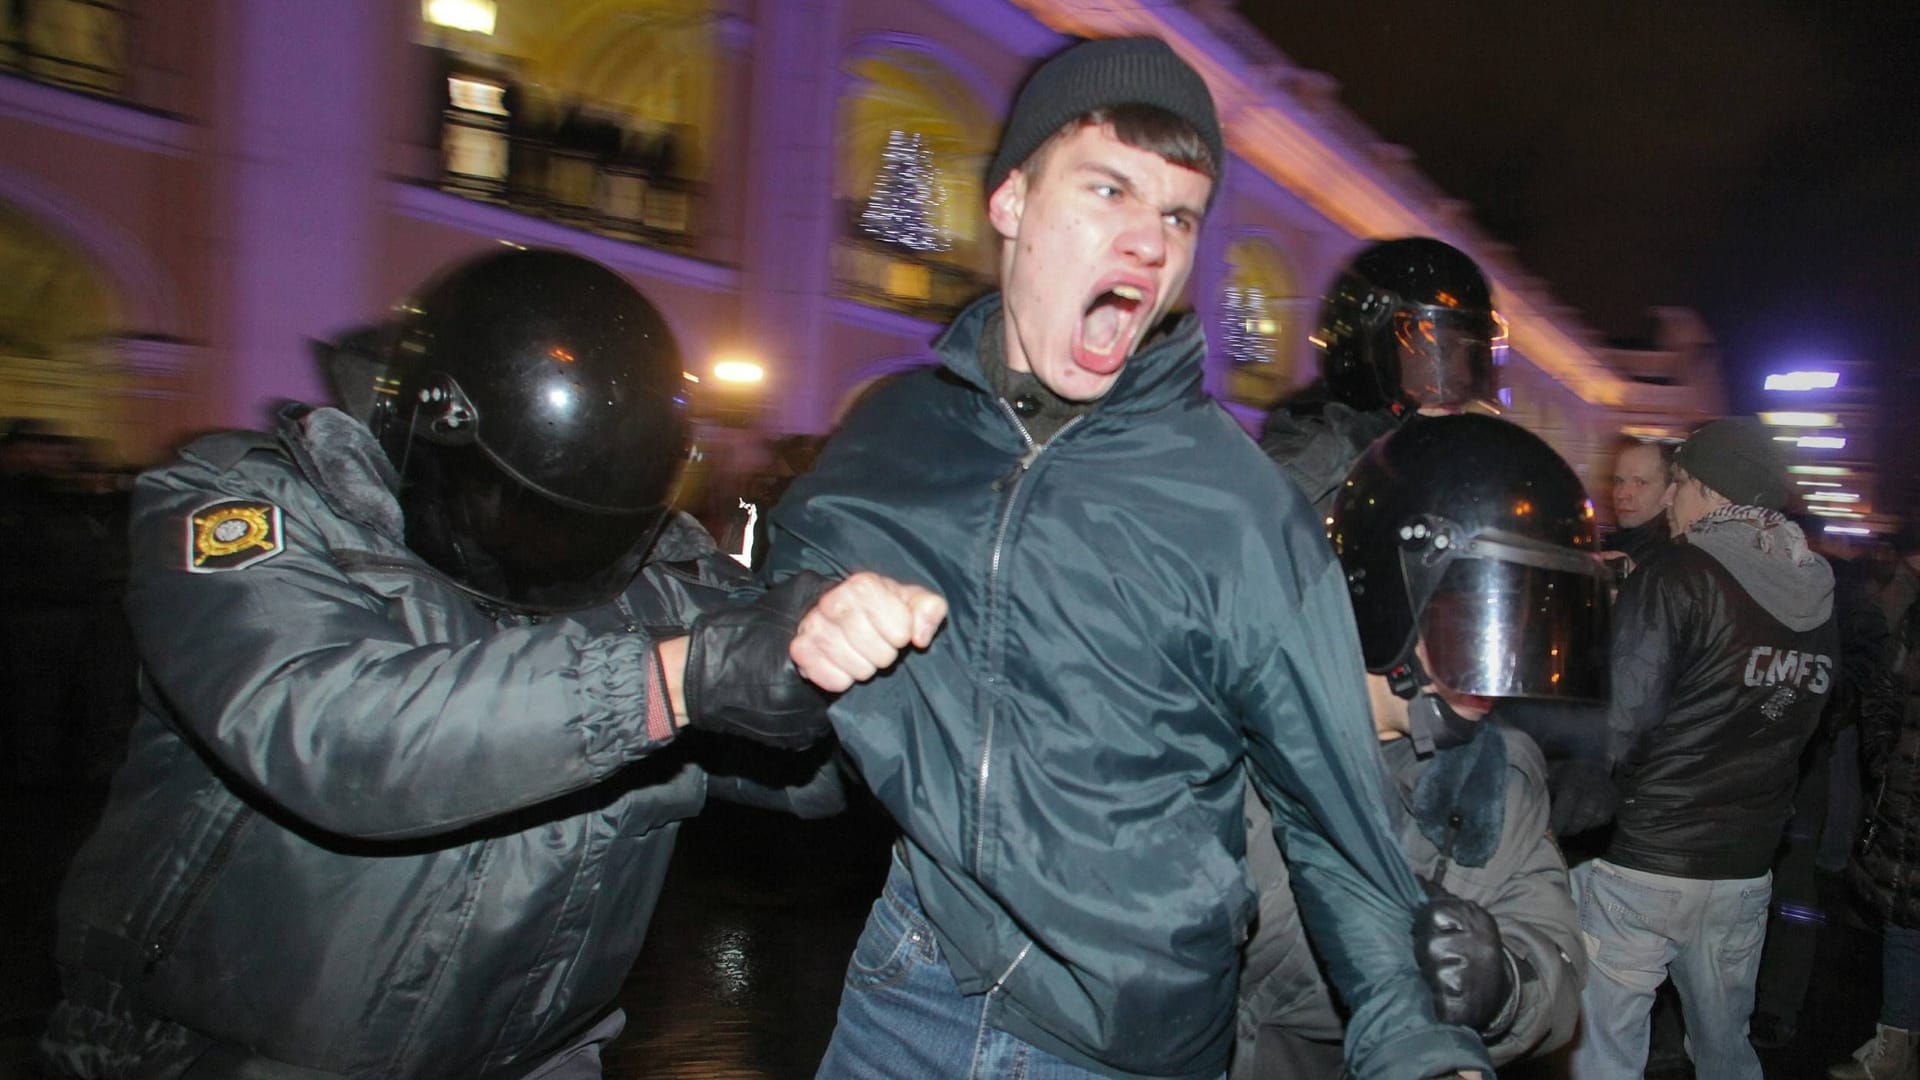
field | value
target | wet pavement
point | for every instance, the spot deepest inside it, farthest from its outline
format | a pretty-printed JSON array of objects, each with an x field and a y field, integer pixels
[{"x": 742, "y": 971}]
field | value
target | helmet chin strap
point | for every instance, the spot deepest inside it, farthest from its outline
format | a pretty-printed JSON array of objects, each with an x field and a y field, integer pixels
[
  {"x": 1408, "y": 678},
  {"x": 1431, "y": 722}
]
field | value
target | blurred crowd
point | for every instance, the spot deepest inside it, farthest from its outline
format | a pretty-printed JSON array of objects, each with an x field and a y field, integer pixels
[{"x": 67, "y": 680}]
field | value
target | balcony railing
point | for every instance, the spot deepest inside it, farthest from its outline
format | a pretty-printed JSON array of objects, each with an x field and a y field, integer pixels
[
  {"x": 586, "y": 169},
  {"x": 79, "y": 44}
]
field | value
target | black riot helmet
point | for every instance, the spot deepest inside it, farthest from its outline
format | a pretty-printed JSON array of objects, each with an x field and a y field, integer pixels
[
  {"x": 534, "y": 407},
  {"x": 1471, "y": 533},
  {"x": 1409, "y": 323}
]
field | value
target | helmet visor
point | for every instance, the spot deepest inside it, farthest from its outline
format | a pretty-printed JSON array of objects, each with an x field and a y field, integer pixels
[
  {"x": 1446, "y": 354},
  {"x": 514, "y": 544},
  {"x": 540, "y": 555},
  {"x": 1514, "y": 619}
]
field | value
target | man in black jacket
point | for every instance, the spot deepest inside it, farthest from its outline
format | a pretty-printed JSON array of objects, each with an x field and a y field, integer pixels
[
  {"x": 1723, "y": 655},
  {"x": 1641, "y": 470}
]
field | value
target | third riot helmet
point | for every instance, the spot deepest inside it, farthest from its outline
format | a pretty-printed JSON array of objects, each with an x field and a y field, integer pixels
[
  {"x": 535, "y": 412},
  {"x": 1470, "y": 534},
  {"x": 1408, "y": 323}
]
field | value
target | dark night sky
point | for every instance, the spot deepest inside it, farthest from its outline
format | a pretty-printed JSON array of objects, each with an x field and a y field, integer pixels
[{"x": 1759, "y": 162}]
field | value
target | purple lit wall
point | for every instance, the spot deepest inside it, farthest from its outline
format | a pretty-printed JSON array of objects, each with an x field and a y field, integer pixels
[{"x": 299, "y": 216}]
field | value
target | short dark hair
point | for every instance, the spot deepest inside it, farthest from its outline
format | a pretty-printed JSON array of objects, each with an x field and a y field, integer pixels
[
  {"x": 1623, "y": 443},
  {"x": 1143, "y": 127}
]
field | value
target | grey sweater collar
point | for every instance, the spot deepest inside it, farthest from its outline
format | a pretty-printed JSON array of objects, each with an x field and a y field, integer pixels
[{"x": 1769, "y": 557}]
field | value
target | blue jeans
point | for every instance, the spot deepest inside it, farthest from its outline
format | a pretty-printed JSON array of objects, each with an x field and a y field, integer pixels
[
  {"x": 902, "y": 1017},
  {"x": 1639, "y": 928},
  {"x": 1900, "y": 977}
]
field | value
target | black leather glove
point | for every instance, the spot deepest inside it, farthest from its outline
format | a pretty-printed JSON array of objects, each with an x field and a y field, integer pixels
[
  {"x": 1460, "y": 954},
  {"x": 739, "y": 679},
  {"x": 1583, "y": 795}
]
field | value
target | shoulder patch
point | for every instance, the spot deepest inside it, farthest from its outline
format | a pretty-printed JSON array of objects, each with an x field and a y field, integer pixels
[{"x": 232, "y": 534}]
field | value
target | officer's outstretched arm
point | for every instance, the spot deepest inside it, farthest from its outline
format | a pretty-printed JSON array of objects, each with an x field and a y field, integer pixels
[{"x": 300, "y": 669}]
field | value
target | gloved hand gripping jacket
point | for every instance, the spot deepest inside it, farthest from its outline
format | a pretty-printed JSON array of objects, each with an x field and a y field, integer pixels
[
  {"x": 739, "y": 679},
  {"x": 1475, "y": 981}
]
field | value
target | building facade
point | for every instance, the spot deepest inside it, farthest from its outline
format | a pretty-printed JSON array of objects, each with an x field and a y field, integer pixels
[{"x": 191, "y": 192}]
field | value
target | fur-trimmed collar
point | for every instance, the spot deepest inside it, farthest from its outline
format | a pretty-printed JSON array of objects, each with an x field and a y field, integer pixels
[
  {"x": 343, "y": 460},
  {"x": 1459, "y": 802}
]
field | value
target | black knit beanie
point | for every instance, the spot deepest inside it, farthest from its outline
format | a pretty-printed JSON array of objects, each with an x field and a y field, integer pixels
[
  {"x": 1101, "y": 74},
  {"x": 1737, "y": 458}
]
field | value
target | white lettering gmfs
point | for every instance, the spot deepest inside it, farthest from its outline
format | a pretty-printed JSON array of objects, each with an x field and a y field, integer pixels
[{"x": 1768, "y": 666}]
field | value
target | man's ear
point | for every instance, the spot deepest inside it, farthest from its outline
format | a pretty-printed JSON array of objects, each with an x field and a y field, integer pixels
[{"x": 1007, "y": 203}]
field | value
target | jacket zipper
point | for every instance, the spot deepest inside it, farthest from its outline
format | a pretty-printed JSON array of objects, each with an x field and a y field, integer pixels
[
  {"x": 168, "y": 935},
  {"x": 1009, "y": 486}
]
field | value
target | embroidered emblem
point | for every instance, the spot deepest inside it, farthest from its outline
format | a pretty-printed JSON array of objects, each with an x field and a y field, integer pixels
[{"x": 232, "y": 535}]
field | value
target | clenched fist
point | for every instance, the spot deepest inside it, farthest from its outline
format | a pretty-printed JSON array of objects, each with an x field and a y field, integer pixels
[{"x": 861, "y": 626}]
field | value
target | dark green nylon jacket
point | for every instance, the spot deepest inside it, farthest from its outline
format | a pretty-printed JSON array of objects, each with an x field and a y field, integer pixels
[{"x": 1134, "y": 608}]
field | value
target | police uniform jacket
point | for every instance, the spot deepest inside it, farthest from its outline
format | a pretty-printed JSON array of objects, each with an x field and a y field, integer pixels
[{"x": 367, "y": 826}]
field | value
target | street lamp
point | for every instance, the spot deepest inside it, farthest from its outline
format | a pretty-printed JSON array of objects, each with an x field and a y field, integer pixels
[{"x": 738, "y": 372}]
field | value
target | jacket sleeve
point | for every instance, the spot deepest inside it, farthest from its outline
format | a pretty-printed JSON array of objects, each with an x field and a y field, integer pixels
[
  {"x": 316, "y": 693},
  {"x": 807, "y": 784},
  {"x": 1315, "y": 756},
  {"x": 1280, "y": 983},
  {"x": 1648, "y": 625},
  {"x": 1533, "y": 906}
]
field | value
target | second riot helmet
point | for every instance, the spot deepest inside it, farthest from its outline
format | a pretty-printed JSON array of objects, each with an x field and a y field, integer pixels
[
  {"x": 1408, "y": 323},
  {"x": 1469, "y": 534},
  {"x": 535, "y": 411}
]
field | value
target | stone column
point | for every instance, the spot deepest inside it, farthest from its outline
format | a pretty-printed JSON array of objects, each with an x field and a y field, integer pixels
[
  {"x": 787, "y": 249},
  {"x": 305, "y": 108}
]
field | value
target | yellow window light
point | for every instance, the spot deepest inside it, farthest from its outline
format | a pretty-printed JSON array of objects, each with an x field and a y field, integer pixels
[
  {"x": 1800, "y": 419},
  {"x": 474, "y": 16},
  {"x": 1819, "y": 470}
]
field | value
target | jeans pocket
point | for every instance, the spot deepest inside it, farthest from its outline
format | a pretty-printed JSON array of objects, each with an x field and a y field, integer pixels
[
  {"x": 1746, "y": 929},
  {"x": 1625, "y": 922},
  {"x": 896, "y": 937}
]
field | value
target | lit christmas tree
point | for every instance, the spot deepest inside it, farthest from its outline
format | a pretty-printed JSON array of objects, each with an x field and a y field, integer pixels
[
  {"x": 1248, "y": 329},
  {"x": 906, "y": 194}
]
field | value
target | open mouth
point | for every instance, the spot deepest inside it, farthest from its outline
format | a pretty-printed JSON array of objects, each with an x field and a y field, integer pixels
[{"x": 1108, "y": 328}]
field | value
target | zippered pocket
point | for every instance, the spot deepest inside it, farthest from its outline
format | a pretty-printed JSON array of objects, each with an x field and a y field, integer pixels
[{"x": 161, "y": 944}]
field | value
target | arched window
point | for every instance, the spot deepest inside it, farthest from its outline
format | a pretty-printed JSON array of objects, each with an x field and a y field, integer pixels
[
  {"x": 1258, "y": 323},
  {"x": 55, "y": 315},
  {"x": 79, "y": 43},
  {"x": 593, "y": 112},
  {"x": 914, "y": 144}
]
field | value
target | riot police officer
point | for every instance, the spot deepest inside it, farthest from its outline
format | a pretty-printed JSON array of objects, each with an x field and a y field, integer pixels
[
  {"x": 1406, "y": 326},
  {"x": 418, "y": 681}
]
